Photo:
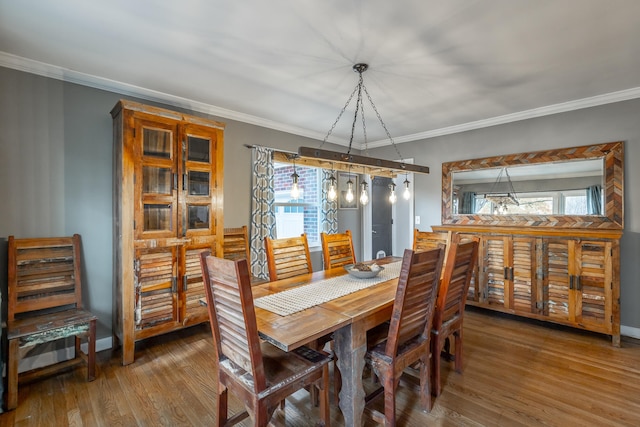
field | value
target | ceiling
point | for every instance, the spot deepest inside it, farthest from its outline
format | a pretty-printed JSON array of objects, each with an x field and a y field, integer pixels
[{"x": 436, "y": 67}]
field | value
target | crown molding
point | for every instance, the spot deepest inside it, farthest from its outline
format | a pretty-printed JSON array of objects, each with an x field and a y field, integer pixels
[{"x": 47, "y": 70}]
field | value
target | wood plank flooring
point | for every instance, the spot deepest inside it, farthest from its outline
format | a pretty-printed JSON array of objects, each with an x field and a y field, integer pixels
[{"x": 516, "y": 373}]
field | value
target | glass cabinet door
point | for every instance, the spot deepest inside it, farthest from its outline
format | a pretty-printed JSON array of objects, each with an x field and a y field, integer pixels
[
  {"x": 155, "y": 180},
  {"x": 198, "y": 187}
]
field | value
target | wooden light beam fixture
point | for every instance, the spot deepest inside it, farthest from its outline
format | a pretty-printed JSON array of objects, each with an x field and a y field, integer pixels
[{"x": 318, "y": 157}]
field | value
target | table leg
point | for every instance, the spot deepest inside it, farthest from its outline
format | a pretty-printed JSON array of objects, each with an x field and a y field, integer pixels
[{"x": 350, "y": 346}]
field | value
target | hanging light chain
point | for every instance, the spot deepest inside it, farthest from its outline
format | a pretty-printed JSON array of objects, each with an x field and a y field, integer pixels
[
  {"x": 339, "y": 116},
  {"x": 383, "y": 125},
  {"x": 355, "y": 116}
]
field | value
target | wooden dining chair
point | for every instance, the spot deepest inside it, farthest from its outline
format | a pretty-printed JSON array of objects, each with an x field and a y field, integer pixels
[
  {"x": 337, "y": 249},
  {"x": 288, "y": 257},
  {"x": 424, "y": 240},
  {"x": 449, "y": 312},
  {"x": 235, "y": 244},
  {"x": 408, "y": 340},
  {"x": 258, "y": 373},
  {"x": 45, "y": 305}
]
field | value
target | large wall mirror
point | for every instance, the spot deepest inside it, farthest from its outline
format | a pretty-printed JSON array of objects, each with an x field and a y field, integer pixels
[{"x": 578, "y": 187}]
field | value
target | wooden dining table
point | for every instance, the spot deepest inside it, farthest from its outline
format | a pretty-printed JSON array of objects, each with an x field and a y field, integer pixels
[{"x": 347, "y": 317}]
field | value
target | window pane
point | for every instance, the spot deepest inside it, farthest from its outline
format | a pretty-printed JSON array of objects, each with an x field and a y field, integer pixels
[
  {"x": 157, "y": 143},
  {"x": 198, "y": 217},
  {"x": 198, "y": 149},
  {"x": 156, "y": 180},
  {"x": 575, "y": 205},
  {"x": 199, "y": 183},
  {"x": 157, "y": 217},
  {"x": 533, "y": 206},
  {"x": 302, "y": 215}
]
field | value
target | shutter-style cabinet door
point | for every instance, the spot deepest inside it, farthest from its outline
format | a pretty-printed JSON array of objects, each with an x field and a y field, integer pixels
[
  {"x": 495, "y": 251},
  {"x": 192, "y": 284},
  {"x": 593, "y": 284},
  {"x": 556, "y": 263},
  {"x": 155, "y": 288},
  {"x": 522, "y": 271}
]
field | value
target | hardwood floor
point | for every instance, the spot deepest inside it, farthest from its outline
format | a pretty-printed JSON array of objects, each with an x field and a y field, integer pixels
[{"x": 516, "y": 373}]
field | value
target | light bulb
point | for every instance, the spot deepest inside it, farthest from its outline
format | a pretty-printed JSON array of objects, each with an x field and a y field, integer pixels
[
  {"x": 364, "y": 195},
  {"x": 406, "y": 193},
  {"x": 295, "y": 191},
  {"x": 332, "y": 193},
  {"x": 392, "y": 196},
  {"x": 349, "y": 196}
]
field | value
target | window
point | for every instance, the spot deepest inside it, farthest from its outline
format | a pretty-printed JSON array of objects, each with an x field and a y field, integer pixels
[
  {"x": 567, "y": 202},
  {"x": 302, "y": 215}
]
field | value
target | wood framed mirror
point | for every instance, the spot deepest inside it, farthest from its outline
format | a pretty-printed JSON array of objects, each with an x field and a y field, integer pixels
[{"x": 576, "y": 187}]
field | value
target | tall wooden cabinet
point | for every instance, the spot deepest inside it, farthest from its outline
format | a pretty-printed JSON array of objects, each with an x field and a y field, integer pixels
[
  {"x": 168, "y": 176},
  {"x": 566, "y": 276}
]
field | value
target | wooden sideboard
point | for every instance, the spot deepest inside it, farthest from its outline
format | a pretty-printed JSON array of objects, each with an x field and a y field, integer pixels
[{"x": 565, "y": 276}]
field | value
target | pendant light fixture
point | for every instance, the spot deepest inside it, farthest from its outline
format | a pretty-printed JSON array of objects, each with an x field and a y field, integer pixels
[
  {"x": 295, "y": 190},
  {"x": 344, "y": 161},
  {"x": 406, "y": 194},
  {"x": 364, "y": 194},
  {"x": 392, "y": 195},
  {"x": 349, "y": 196},
  {"x": 332, "y": 194}
]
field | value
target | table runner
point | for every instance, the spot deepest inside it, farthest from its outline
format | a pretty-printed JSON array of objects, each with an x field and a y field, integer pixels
[{"x": 297, "y": 299}]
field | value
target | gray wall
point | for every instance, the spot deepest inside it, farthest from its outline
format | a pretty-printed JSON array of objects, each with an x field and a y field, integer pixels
[
  {"x": 56, "y": 171},
  {"x": 613, "y": 122}
]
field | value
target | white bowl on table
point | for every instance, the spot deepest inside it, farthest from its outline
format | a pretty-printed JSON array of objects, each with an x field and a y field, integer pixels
[{"x": 366, "y": 274}]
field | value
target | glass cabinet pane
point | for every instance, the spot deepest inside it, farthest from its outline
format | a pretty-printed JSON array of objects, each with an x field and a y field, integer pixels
[
  {"x": 198, "y": 217},
  {"x": 156, "y": 180},
  {"x": 157, "y": 217},
  {"x": 157, "y": 143},
  {"x": 198, "y": 149},
  {"x": 198, "y": 183}
]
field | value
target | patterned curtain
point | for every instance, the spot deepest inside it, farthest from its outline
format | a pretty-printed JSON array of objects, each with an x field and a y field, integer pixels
[
  {"x": 263, "y": 219},
  {"x": 329, "y": 214},
  {"x": 468, "y": 205},
  {"x": 594, "y": 200}
]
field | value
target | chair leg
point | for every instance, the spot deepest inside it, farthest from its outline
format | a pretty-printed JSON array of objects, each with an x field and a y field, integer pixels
[
  {"x": 390, "y": 385},
  {"x": 222, "y": 405},
  {"x": 261, "y": 415},
  {"x": 425, "y": 390},
  {"x": 436, "y": 347},
  {"x": 458, "y": 350},
  {"x": 12, "y": 374},
  {"x": 325, "y": 413},
  {"x": 91, "y": 352}
]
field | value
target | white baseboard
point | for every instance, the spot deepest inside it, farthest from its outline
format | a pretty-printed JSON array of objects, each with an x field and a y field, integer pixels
[
  {"x": 48, "y": 358},
  {"x": 628, "y": 331}
]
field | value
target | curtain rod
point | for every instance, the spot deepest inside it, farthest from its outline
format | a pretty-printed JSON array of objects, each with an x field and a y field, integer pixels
[{"x": 271, "y": 148}]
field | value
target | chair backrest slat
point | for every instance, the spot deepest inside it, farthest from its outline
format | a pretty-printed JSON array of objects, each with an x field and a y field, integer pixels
[
  {"x": 415, "y": 298},
  {"x": 337, "y": 249},
  {"x": 232, "y": 315},
  {"x": 288, "y": 257}
]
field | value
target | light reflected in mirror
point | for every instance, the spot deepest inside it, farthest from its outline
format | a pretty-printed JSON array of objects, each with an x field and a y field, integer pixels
[{"x": 563, "y": 188}]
